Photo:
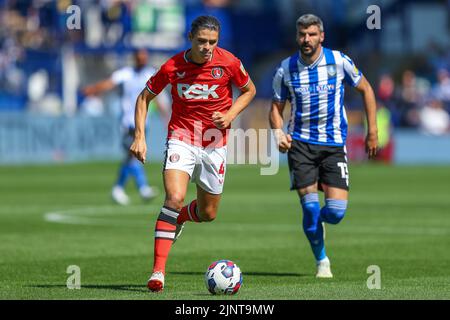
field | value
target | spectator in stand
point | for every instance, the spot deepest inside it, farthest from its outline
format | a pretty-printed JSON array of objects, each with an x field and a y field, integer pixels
[
  {"x": 442, "y": 88},
  {"x": 434, "y": 120},
  {"x": 386, "y": 96},
  {"x": 410, "y": 96}
]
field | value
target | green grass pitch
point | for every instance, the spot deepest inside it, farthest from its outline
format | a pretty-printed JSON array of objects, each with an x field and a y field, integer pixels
[{"x": 398, "y": 219}]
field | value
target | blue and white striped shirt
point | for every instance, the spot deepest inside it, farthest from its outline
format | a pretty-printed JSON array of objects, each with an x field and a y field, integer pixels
[{"x": 316, "y": 94}]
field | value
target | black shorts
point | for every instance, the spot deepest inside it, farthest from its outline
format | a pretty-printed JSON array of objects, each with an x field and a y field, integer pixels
[{"x": 311, "y": 163}]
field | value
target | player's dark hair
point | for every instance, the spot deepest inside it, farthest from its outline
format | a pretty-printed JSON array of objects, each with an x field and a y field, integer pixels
[
  {"x": 308, "y": 19},
  {"x": 205, "y": 22}
]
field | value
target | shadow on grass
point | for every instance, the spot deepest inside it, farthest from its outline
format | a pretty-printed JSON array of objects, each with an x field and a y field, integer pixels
[
  {"x": 120, "y": 287},
  {"x": 142, "y": 288}
]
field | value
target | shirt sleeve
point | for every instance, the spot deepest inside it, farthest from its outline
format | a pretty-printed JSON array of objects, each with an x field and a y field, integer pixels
[
  {"x": 120, "y": 76},
  {"x": 239, "y": 75},
  {"x": 352, "y": 75},
  {"x": 158, "y": 81},
  {"x": 280, "y": 91}
]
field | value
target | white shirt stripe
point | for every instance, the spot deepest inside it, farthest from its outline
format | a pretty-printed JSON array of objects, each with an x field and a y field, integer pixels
[
  {"x": 306, "y": 101},
  {"x": 323, "y": 101}
]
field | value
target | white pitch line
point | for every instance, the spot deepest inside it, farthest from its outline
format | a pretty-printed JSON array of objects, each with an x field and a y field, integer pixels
[
  {"x": 90, "y": 216},
  {"x": 83, "y": 216}
]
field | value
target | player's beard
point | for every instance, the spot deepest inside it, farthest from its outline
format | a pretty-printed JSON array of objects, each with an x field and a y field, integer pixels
[{"x": 309, "y": 53}]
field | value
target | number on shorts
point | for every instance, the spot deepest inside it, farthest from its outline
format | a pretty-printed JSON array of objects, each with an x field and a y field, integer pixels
[
  {"x": 344, "y": 171},
  {"x": 222, "y": 168}
]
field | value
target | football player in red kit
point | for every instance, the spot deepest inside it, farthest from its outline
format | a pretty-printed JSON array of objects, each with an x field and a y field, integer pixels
[{"x": 202, "y": 111}]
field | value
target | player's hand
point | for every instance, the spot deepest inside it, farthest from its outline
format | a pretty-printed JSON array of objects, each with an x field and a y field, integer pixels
[
  {"x": 284, "y": 141},
  {"x": 139, "y": 149},
  {"x": 220, "y": 120},
  {"x": 371, "y": 145}
]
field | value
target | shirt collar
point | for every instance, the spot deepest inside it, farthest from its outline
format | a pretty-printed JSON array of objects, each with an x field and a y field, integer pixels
[{"x": 314, "y": 64}]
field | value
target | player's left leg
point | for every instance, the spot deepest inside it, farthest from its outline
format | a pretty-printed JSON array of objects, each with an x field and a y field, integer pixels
[
  {"x": 336, "y": 200},
  {"x": 334, "y": 179},
  {"x": 208, "y": 204},
  {"x": 209, "y": 176}
]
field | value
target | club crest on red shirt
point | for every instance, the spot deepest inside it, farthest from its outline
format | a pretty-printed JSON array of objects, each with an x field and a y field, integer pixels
[{"x": 217, "y": 72}]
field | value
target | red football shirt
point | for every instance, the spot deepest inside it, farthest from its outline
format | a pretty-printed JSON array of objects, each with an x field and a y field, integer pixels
[{"x": 197, "y": 92}]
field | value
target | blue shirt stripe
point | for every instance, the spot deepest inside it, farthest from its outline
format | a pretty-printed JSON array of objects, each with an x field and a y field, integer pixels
[
  {"x": 331, "y": 63},
  {"x": 295, "y": 82},
  {"x": 283, "y": 91},
  {"x": 343, "y": 124},
  {"x": 314, "y": 104}
]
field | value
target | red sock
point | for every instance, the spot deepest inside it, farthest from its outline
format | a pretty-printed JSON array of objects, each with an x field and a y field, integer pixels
[
  {"x": 189, "y": 213},
  {"x": 164, "y": 235}
]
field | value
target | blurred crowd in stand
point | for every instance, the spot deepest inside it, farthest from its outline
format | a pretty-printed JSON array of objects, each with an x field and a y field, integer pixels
[{"x": 33, "y": 32}]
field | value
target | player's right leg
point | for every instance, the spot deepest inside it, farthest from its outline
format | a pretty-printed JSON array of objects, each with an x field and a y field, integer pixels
[
  {"x": 312, "y": 225},
  {"x": 178, "y": 167},
  {"x": 304, "y": 178},
  {"x": 175, "y": 185}
]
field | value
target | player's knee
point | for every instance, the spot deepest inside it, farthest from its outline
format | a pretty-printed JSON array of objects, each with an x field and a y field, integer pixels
[
  {"x": 309, "y": 207},
  {"x": 174, "y": 200},
  {"x": 334, "y": 211},
  {"x": 208, "y": 213},
  {"x": 335, "y": 216}
]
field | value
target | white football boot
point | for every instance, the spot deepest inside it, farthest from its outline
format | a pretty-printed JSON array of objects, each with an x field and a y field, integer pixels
[
  {"x": 156, "y": 282},
  {"x": 324, "y": 269},
  {"x": 119, "y": 196}
]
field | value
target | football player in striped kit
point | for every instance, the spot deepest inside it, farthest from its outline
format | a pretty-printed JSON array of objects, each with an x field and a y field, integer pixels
[{"x": 312, "y": 80}]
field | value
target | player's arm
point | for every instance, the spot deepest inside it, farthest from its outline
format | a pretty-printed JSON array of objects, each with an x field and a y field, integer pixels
[
  {"x": 276, "y": 123},
  {"x": 139, "y": 146},
  {"x": 99, "y": 87},
  {"x": 248, "y": 92},
  {"x": 370, "y": 106},
  {"x": 162, "y": 105}
]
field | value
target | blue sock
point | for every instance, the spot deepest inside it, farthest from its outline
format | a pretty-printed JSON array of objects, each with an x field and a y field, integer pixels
[
  {"x": 312, "y": 225},
  {"x": 138, "y": 172},
  {"x": 124, "y": 173},
  {"x": 333, "y": 211}
]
